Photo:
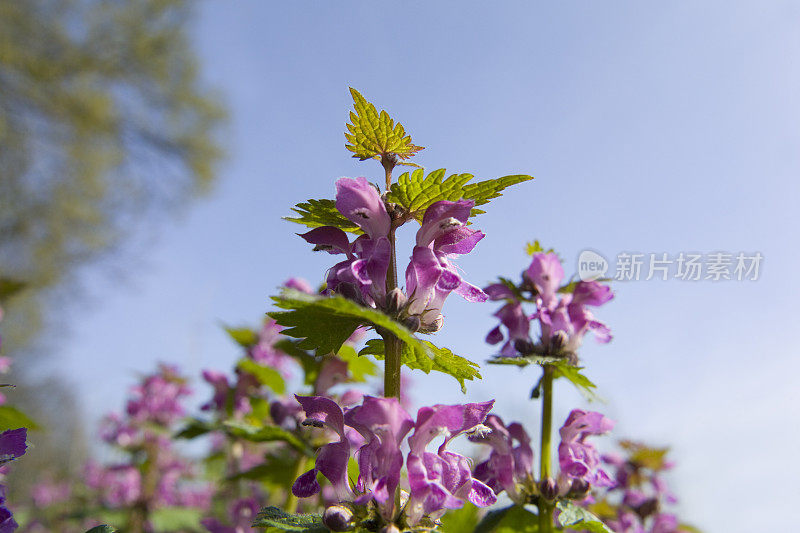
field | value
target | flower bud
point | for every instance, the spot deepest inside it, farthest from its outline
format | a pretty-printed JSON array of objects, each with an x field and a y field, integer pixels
[
  {"x": 578, "y": 489},
  {"x": 337, "y": 518},
  {"x": 548, "y": 489},
  {"x": 523, "y": 346},
  {"x": 432, "y": 326},
  {"x": 395, "y": 300},
  {"x": 412, "y": 322}
]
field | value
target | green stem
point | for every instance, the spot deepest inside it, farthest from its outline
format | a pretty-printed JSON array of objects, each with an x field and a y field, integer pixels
[
  {"x": 545, "y": 507},
  {"x": 392, "y": 345}
]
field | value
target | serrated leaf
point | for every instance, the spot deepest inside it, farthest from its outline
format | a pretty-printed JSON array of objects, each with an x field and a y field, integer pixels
[
  {"x": 9, "y": 287},
  {"x": 571, "y": 515},
  {"x": 415, "y": 191},
  {"x": 371, "y": 134},
  {"x": 253, "y": 433},
  {"x": 438, "y": 359},
  {"x": 244, "y": 337},
  {"x": 304, "y": 523},
  {"x": 573, "y": 375},
  {"x": 325, "y": 323},
  {"x": 13, "y": 418},
  {"x": 266, "y": 375},
  {"x": 316, "y": 213}
]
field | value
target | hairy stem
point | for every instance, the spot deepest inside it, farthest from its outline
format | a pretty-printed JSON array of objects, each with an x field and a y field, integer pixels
[
  {"x": 393, "y": 345},
  {"x": 546, "y": 508}
]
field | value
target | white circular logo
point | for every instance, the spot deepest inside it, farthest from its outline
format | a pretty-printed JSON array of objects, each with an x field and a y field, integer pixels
[{"x": 591, "y": 265}]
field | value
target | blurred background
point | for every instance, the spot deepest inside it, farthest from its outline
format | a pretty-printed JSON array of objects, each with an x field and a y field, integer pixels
[{"x": 149, "y": 148}]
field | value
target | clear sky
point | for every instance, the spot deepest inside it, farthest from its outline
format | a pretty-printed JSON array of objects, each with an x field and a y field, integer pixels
[{"x": 650, "y": 127}]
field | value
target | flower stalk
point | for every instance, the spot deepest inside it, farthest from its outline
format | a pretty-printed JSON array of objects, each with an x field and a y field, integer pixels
[
  {"x": 546, "y": 507},
  {"x": 392, "y": 345}
]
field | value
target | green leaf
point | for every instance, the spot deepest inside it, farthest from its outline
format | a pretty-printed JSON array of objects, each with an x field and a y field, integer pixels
[
  {"x": 176, "y": 518},
  {"x": 13, "y": 418},
  {"x": 573, "y": 515},
  {"x": 245, "y": 337},
  {"x": 415, "y": 192},
  {"x": 438, "y": 359},
  {"x": 9, "y": 287},
  {"x": 316, "y": 213},
  {"x": 371, "y": 134},
  {"x": 574, "y": 375},
  {"x": 525, "y": 360},
  {"x": 194, "y": 429},
  {"x": 273, "y": 472},
  {"x": 252, "y": 433},
  {"x": 102, "y": 529},
  {"x": 359, "y": 367},
  {"x": 325, "y": 323},
  {"x": 266, "y": 375},
  {"x": 305, "y": 523}
]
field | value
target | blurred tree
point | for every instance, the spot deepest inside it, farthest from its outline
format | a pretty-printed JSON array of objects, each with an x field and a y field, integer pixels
[{"x": 104, "y": 126}]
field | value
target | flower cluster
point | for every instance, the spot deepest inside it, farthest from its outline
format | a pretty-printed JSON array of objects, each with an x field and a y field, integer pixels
[
  {"x": 430, "y": 276},
  {"x": 562, "y": 311},
  {"x": 637, "y": 501},
  {"x": 509, "y": 467},
  {"x": 153, "y": 474},
  {"x": 436, "y": 481}
]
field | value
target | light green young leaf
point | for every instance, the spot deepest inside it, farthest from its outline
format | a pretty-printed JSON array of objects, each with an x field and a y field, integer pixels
[
  {"x": 572, "y": 515},
  {"x": 302, "y": 523},
  {"x": 415, "y": 191},
  {"x": 266, "y": 375},
  {"x": 316, "y": 213},
  {"x": 372, "y": 135},
  {"x": 438, "y": 359}
]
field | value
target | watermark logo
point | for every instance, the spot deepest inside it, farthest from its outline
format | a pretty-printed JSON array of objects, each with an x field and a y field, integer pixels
[
  {"x": 591, "y": 265},
  {"x": 683, "y": 266}
]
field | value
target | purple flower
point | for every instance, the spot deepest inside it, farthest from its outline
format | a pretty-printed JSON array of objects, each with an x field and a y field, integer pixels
[
  {"x": 546, "y": 274},
  {"x": 158, "y": 397},
  {"x": 508, "y": 465},
  {"x": 12, "y": 444},
  {"x": 577, "y": 458},
  {"x": 430, "y": 276},
  {"x": 362, "y": 276},
  {"x": 443, "y": 480},
  {"x": 264, "y": 351},
  {"x": 383, "y": 424},
  {"x": 332, "y": 458},
  {"x": 361, "y": 203}
]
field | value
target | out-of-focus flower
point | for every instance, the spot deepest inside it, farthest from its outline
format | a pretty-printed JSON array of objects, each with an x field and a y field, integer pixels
[{"x": 578, "y": 459}]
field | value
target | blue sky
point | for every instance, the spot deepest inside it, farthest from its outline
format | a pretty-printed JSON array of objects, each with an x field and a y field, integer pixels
[{"x": 670, "y": 127}]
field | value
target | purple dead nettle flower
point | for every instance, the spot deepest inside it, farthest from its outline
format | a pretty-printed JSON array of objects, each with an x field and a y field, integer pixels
[
  {"x": 430, "y": 276},
  {"x": 362, "y": 276},
  {"x": 266, "y": 353},
  {"x": 564, "y": 318},
  {"x": 509, "y": 466},
  {"x": 579, "y": 460},
  {"x": 332, "y": 458},
  {"x": 437, "y": 481},
  {"x": 443, "y": 480},
  {"x": 158, "y": 398}
]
